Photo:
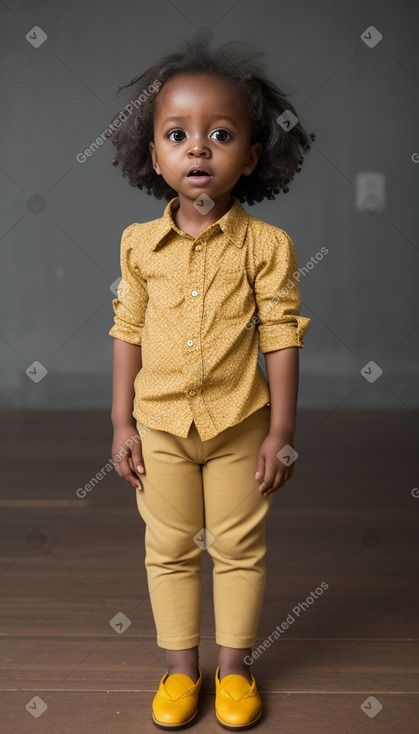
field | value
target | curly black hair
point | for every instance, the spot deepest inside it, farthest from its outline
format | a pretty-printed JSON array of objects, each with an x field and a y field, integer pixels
[{"x": 280, "y": 138}]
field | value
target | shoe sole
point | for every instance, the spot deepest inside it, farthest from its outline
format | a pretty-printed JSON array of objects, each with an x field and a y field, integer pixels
[
  {"x": 173, "y": 727},
  {"x": 237, "y": 727}
]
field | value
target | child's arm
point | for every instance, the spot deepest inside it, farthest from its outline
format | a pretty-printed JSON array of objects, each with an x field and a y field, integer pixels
[
  {"x": 282, "y": 368},
  {"x": 126, "y": 364}
]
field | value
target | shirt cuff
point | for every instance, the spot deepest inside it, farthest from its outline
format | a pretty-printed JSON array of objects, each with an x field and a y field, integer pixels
[
  {"x": 280, "y": 336},
  {"x": 130, "y": 335}
]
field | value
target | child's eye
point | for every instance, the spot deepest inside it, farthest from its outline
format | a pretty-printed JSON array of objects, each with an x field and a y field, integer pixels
[
  {"x": 223, "y": 132},
  {"x": 175, "y": 132}
]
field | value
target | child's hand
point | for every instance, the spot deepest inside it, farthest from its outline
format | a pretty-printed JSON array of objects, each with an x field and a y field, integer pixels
[
  {"x": 270, "y": 470},
  {"x": 127, "y": 445}
]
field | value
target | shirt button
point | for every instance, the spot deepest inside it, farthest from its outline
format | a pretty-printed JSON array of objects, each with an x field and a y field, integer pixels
[
  {"x": 190, "y": 342},
  {"x": 197, "y": 247},
  {"x": 191, "y": 392},
  {"x": 194, "y": 293}
]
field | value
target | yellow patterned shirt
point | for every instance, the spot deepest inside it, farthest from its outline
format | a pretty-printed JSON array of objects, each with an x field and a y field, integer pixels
[{"x": 202, "y": 308}]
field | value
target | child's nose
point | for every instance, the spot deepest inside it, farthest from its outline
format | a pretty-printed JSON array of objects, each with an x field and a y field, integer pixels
[{"x": 198, "y": 145}]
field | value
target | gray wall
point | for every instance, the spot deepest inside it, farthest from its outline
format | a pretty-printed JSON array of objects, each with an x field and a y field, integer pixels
[{"x": 57, "y": 262}]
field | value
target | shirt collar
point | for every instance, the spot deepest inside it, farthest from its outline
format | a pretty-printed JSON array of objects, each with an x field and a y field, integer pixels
[{"x": 233, "y": 223}]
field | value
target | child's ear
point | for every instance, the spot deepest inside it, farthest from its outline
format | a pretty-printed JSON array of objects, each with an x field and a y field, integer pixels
[
  {"x": 154, "y": 158},
  {"x": 252, "y": 159}
]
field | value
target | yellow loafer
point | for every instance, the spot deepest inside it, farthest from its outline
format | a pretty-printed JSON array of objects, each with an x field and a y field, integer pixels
[
  {"x": 238, "y": 704},
  {"x": 176, "y": 702}
]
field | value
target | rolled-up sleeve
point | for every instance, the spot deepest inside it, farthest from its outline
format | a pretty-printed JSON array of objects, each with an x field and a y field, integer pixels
[
  {"x": 130, "y": 305},
  {"x": 277, "y": 295}
]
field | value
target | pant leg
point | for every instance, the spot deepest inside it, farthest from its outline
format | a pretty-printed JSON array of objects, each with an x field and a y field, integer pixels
[
  {"x": 235, "y": 514},
  {"x": 171, "y": 505}
]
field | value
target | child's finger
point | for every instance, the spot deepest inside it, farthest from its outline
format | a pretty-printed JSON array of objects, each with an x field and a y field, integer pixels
[
  {"x": 275, "y": 484},
  {"x": 138, "y": 462},
  {"x": 260, "y": 468},
  {"x": 126, "y": 472},
  {"x": 270, "y": 478}
]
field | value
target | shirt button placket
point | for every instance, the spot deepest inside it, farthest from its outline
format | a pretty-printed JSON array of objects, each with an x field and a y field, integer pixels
[{"x": 190, "y": 342}]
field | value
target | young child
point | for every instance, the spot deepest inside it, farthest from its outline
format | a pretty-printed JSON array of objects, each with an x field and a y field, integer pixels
[{"x": 199, "y": 431}]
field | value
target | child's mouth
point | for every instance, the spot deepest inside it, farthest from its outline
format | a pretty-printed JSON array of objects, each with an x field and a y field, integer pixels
[{"x": 199, "y": 177}]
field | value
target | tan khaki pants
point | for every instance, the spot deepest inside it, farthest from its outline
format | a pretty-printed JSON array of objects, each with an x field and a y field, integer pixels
[{"x": 190, "y": 485}]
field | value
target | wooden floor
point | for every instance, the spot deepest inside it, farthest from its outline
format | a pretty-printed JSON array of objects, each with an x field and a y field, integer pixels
[{"x": 348, "y": 662}]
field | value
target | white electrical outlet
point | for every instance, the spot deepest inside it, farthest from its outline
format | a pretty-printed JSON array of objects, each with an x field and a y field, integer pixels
[{"x": 370, "y": 191}]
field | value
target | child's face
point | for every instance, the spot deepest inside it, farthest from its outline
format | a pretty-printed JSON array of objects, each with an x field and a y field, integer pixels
[{"x": 212, "y": 129}]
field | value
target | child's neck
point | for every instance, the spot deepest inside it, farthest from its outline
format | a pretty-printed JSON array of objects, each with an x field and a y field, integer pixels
[{"x": 192, "y": 221}]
